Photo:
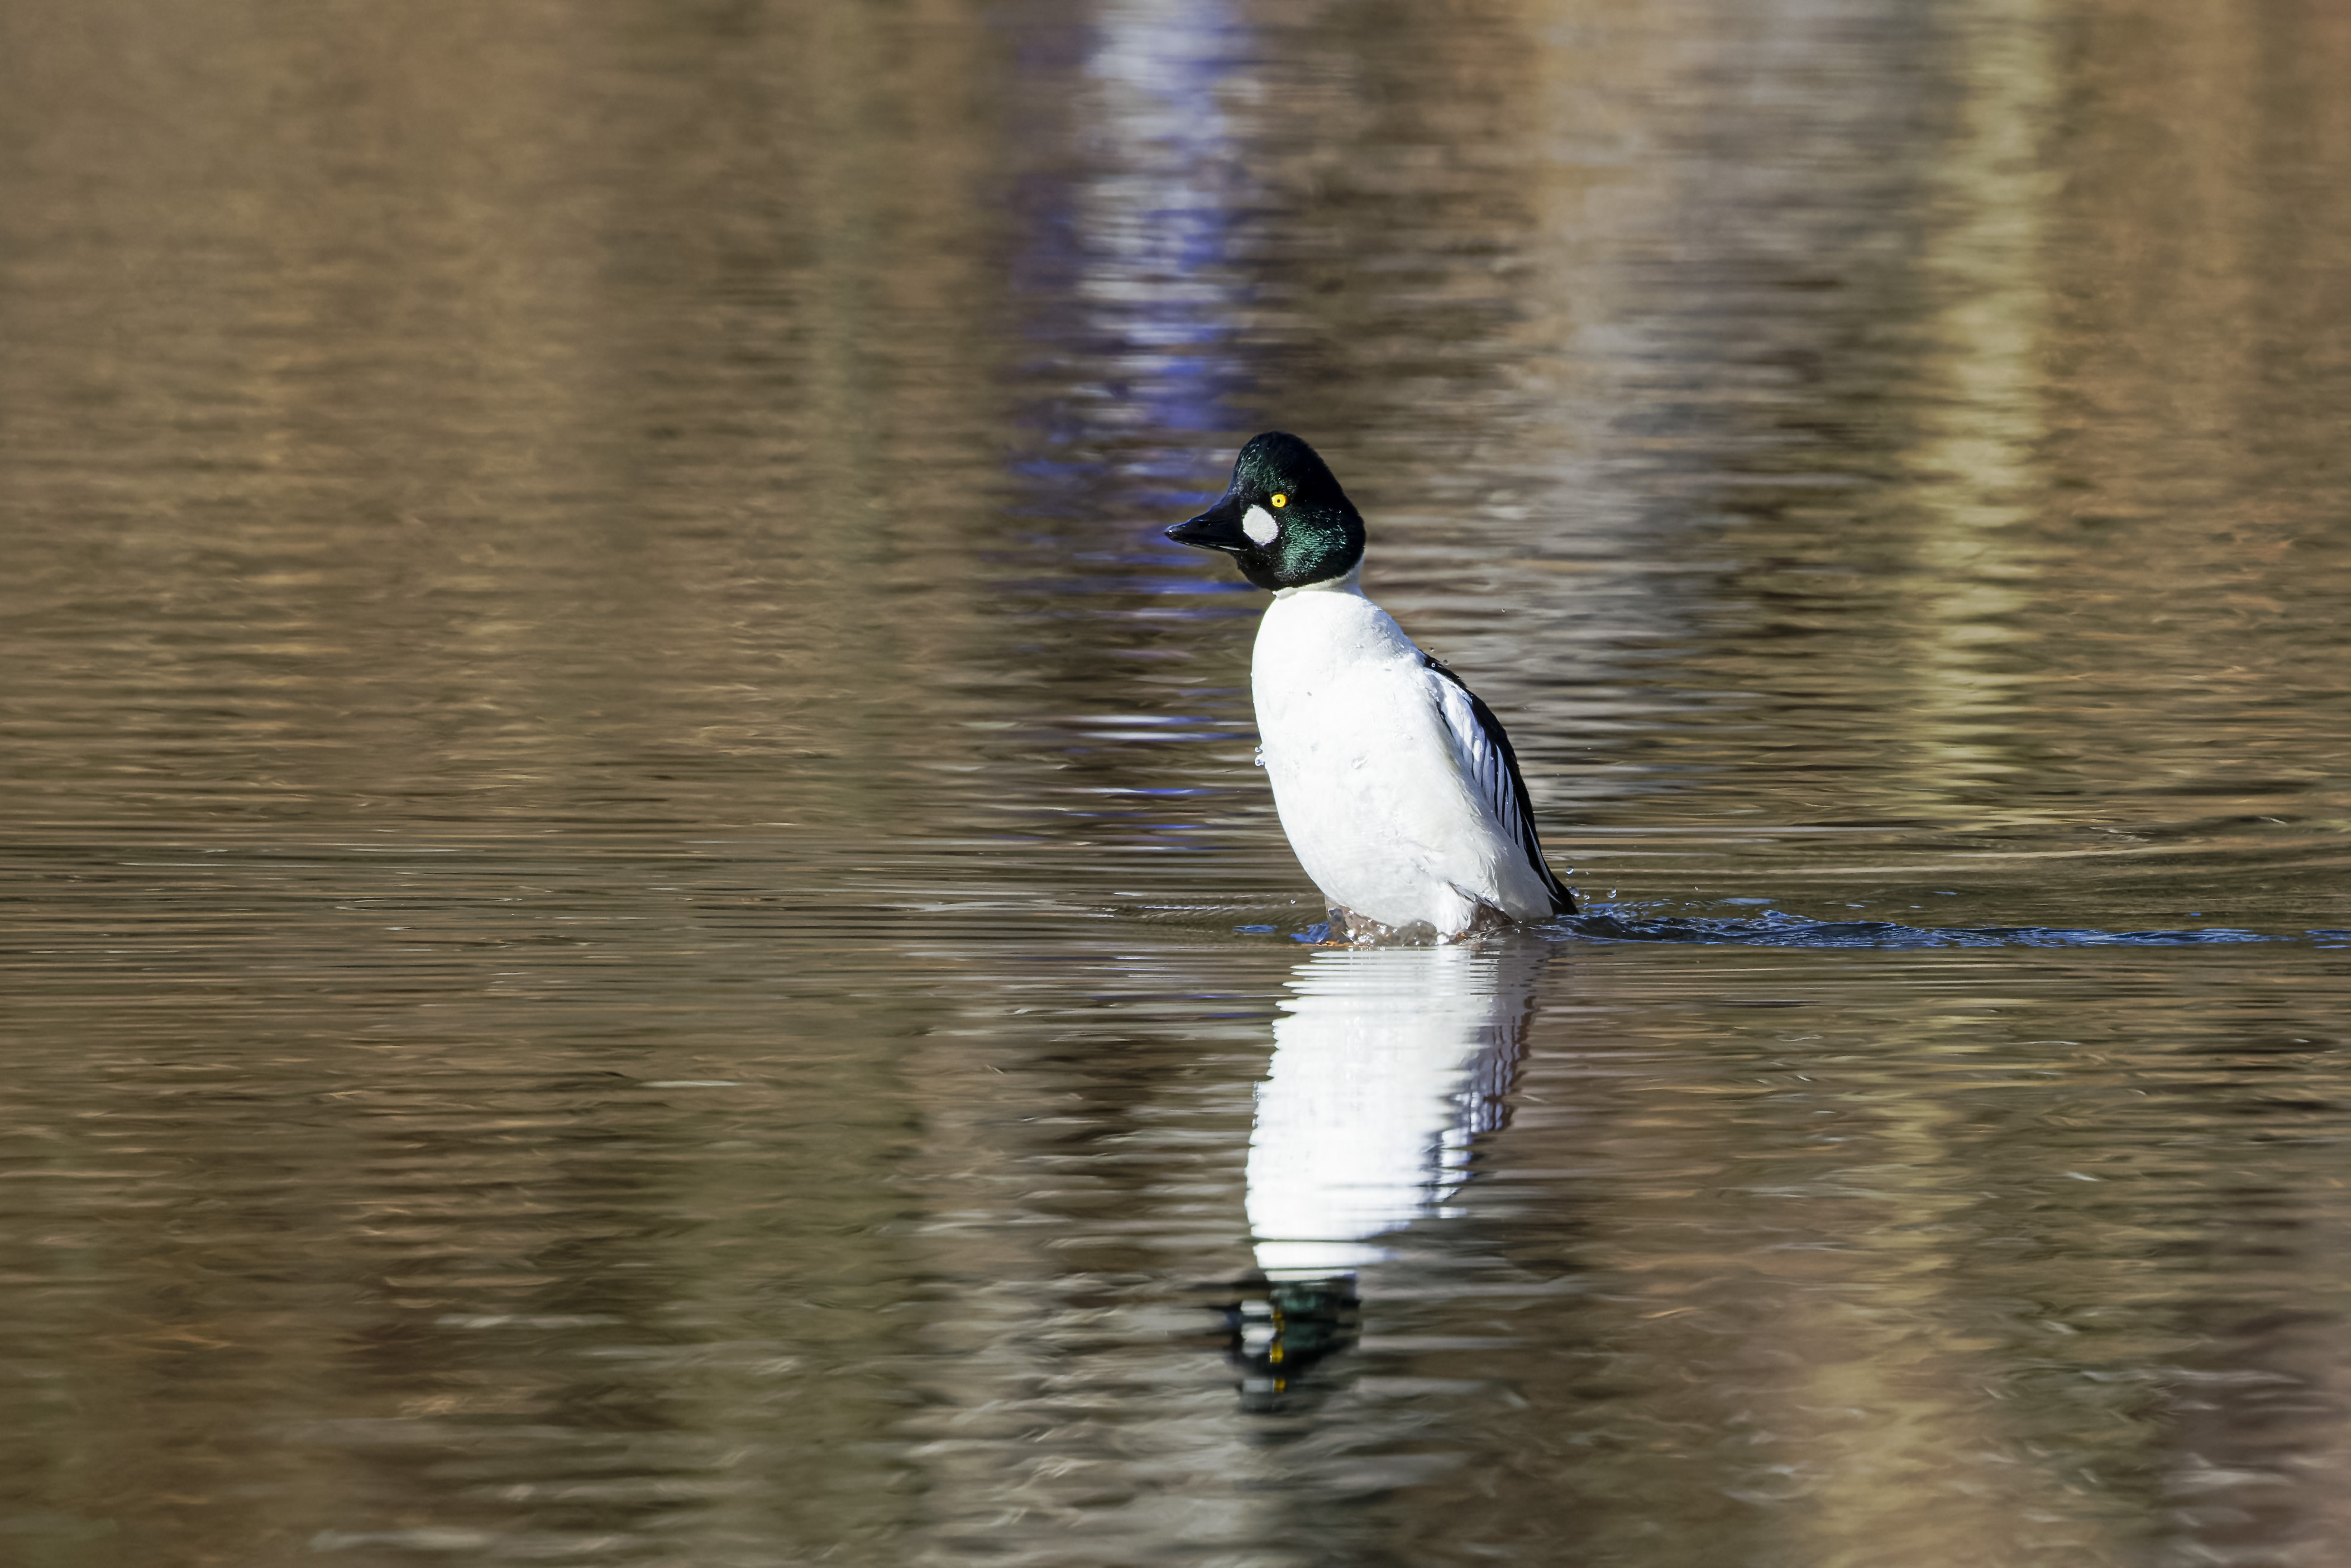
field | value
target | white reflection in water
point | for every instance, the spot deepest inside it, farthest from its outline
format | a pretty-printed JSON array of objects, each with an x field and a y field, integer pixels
[{"x": 1388, "y": 1063}]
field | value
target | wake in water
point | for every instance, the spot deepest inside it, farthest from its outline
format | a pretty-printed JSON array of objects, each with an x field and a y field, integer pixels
[
  {"x": 1774, "y": 929},
  {"x": 1626, "y": 923}
]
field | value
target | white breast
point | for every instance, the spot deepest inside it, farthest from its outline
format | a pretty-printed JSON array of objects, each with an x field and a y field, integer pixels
[{"x": 1368, "y": 774}]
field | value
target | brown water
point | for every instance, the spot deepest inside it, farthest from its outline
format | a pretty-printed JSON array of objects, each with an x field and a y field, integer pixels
[{"x": 638, "y": 927}]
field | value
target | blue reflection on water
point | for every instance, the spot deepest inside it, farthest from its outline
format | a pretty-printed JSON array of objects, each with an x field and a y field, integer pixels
[{"x": 1125, "y": 265}]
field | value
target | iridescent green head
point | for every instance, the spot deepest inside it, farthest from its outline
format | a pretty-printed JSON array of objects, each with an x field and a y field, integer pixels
[{"x": 1283, "y": 518}]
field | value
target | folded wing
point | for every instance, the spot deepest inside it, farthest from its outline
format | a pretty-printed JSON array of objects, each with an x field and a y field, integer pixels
[{"x": 1493, "y": 771}]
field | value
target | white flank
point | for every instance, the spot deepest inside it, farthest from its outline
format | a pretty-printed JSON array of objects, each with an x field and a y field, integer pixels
[{"x": 1377, "y": 768}]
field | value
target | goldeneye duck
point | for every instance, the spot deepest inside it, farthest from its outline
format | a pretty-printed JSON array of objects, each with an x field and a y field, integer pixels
[{"x": 1397, "y": 786}]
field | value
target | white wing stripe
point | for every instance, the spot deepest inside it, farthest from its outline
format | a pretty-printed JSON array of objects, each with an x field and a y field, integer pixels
[
  {"x": 1481, "y": 759},
  {"x": 1478, "y": 745}
]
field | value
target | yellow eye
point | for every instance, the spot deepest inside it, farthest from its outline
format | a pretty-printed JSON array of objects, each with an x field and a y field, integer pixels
[{"x": 1280, "y": 500}]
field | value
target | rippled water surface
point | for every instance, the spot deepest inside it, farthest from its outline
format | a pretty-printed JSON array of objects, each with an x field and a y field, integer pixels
[{"x": 637, "y": 923}]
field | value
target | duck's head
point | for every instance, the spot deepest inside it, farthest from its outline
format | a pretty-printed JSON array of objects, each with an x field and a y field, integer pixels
[{"x": 1283, "y": 518}]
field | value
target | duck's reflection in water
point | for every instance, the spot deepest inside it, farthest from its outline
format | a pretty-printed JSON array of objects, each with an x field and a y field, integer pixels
[{"x": 1389, "y": 1063}]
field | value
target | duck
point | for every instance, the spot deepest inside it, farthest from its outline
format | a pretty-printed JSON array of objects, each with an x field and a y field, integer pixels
[{"x": 1397, "y": 787}]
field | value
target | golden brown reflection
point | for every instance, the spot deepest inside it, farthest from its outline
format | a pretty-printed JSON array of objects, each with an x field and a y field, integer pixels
[{"x": 1974, "y": 466}]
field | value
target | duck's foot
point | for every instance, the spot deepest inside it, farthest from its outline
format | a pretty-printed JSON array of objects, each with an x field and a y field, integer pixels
[{"x": 1348, "y": 929}]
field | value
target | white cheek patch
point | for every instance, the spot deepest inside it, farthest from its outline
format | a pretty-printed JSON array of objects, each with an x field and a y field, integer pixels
[{"x": 1259, "y": 526}]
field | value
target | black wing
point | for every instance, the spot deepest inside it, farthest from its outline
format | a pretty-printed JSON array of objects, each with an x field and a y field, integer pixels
[{"x": 1495, "y": 768}]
